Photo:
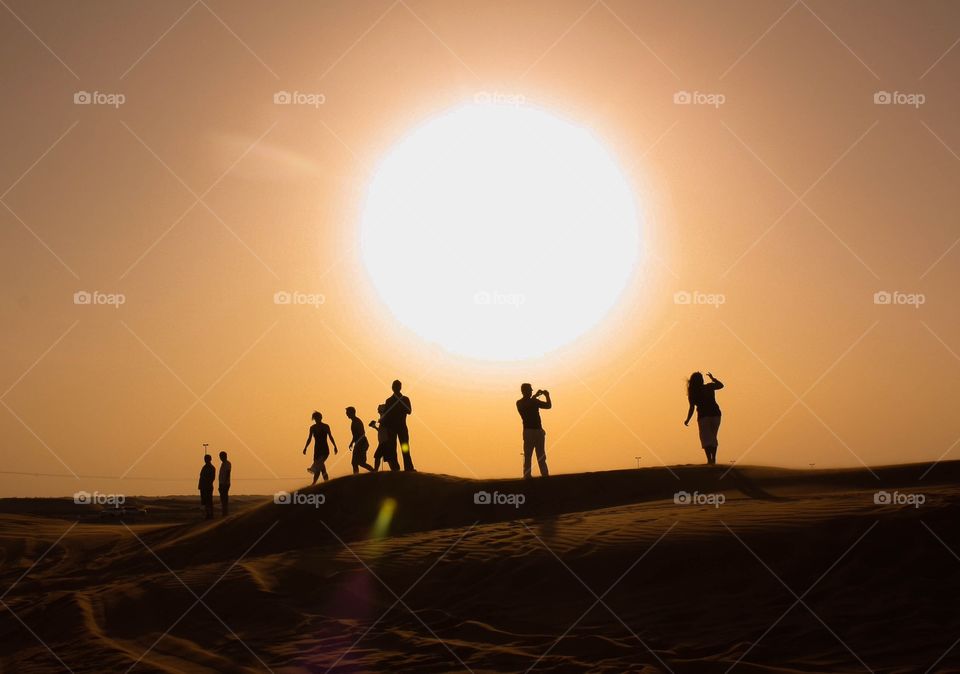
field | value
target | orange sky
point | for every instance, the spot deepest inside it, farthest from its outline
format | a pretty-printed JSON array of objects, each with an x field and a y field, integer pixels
[{"x": 796, "y": 199}]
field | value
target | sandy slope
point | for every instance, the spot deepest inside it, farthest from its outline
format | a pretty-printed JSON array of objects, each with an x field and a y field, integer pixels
[{"x": 456, "y": 585}]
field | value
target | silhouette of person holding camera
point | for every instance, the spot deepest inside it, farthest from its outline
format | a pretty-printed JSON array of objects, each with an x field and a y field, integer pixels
[{"x": 534, "y": 437}]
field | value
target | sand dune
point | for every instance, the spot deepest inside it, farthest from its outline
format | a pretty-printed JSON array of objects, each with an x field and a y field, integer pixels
[{"x": 446, "y": 584}]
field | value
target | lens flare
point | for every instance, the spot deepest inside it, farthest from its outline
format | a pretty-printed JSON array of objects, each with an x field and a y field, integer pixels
[{"x": 382, "y": 524}]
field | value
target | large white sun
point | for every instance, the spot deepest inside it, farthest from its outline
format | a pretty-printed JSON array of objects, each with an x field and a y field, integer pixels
[{"x": 500, "y": 232}]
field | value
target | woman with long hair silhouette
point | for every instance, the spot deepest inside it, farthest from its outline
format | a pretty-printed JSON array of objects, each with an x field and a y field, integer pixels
[{"x": 702, "y": 396}]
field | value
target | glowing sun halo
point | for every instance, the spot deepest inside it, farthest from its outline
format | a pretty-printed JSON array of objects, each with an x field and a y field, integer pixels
[{"x": 499, "y": 232}]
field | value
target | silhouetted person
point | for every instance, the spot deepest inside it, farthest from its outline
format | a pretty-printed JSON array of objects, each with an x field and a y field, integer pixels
[
  {"x": 359, "y": 442},
  {"x": 394, "y": 417},
  {"x": 534, "y": 437},
  {"x": 319, "y": 433},
  {"x": 386, "y": 444},
  {"x": 207, "y": 475},
  {"x": 224, "y": 483},
  {"x": 703, "y": 397}
]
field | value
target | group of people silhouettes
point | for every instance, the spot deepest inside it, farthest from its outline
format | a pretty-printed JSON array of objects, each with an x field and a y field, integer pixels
[
  {"x": 392, "y": 431},
  {"x": 208, "y": 475},
  {"x": 391, "y": 427}
]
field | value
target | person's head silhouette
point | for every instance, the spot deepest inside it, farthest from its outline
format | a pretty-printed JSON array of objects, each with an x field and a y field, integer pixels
[
  {"x": 317, "y": 417},
  {"x": 526, "y": 390},
  {"x": 223, "y": 456},
  {"x": 351, "y": 412},
  {"x": 396, "y": 386},
  {"x": 694, "y": 386},
  {"x": 207, "y": 458}
]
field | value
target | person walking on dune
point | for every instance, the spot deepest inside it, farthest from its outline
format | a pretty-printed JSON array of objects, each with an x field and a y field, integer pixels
[
  {"x": 359, "y": 443},
  {"x": 394, "y": 417},
  {"x": 534, "y": 437},
  {"x": 703, "y": 397},
  {"x": 224, "y": 483},
  {"x": 319, "y": 433},
  {"x": 207, "y": 475}
]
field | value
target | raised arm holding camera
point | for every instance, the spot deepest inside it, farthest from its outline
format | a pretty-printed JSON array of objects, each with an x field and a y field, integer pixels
[{"x": 534, "y": 437}]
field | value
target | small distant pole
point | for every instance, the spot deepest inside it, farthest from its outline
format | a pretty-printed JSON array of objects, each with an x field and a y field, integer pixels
[
  {"x": 638, "y": 460},
  {"x": 205, "y": 452},
  {"x": 811, "y": 465}
]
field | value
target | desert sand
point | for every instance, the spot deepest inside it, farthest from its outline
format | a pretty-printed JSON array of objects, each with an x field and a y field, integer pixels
[{"x": 795, "y": 571}]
